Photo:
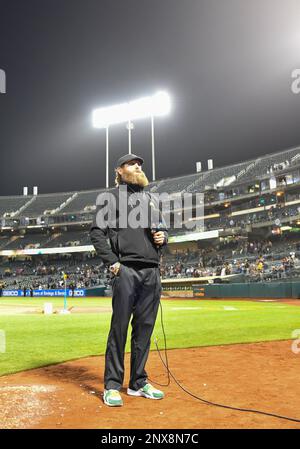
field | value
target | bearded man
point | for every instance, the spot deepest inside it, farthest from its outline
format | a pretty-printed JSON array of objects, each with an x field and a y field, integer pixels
[{"x": 133, "y": 256}]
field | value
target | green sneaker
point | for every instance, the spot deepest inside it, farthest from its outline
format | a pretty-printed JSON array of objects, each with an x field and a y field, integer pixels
[
  {"x": 147, "y": 391},
  {"x": 112, "y": 398}
]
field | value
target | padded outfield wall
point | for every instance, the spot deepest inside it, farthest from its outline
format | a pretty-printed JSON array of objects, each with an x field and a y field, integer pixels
[{"x": 249, "y": 290}]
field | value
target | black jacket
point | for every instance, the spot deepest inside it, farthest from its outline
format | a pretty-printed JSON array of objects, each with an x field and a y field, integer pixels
[{"x": 114, "y": 243}]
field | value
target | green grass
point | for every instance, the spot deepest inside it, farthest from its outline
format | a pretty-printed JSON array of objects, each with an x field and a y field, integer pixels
[{"x": 38, "y": 340}]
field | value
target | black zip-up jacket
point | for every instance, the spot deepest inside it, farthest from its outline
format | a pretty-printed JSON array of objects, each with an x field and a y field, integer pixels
[{"x": 116, "y": 244}]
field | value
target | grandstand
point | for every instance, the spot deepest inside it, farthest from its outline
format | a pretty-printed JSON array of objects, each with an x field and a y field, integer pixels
[
  {"x": 251, "y": 201},
  {"x": 70, "y": 238},
  {"x": 272, "y": 164},
  {"x": 81, "y": 201},
  {"x": 46, "y": 204},
  {"x": 23, "y": 241},
  {"x": 11, "y": 204},
  {"x": 175, "y": 185},
  {"x": 71, "y": 202}
]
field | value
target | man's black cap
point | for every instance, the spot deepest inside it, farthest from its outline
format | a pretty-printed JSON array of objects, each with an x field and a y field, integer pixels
[{"x": 128, "y": 158}]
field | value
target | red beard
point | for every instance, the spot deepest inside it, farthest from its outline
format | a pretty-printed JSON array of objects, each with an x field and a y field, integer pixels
[{"x": 139, "y": 179}]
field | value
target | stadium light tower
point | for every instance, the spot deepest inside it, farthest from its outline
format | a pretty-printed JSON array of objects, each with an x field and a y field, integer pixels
[
  {"x": 161, "y": 105},
  {"x": 107, "y": 157},
  {"x": 156, "y": 105},
  {"x": 102, "y": 118},
  {"x": 129, "y": 127}
]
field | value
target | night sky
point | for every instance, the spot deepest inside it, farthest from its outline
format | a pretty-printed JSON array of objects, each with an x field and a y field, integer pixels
[{"x": 227, "y": 65}]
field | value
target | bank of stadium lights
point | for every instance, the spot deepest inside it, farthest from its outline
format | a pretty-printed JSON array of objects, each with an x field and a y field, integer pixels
[{"x": 156, "y": 105}]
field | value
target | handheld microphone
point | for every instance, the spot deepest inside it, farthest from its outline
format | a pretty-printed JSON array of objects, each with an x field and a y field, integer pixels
[{"x": 160, "y": 227}]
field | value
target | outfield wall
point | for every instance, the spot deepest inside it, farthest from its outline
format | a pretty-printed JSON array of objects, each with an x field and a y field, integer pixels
[
  {"x": 249, "y": 290},
  {"x": 45, "y": 293},
  {"x": 237, "y": 290}
]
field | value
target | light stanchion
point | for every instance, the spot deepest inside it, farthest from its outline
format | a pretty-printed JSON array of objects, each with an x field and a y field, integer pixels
[{"x": 156, "y": 105}]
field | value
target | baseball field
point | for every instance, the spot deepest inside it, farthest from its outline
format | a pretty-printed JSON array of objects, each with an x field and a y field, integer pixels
[{"x": 232, "y": 352}]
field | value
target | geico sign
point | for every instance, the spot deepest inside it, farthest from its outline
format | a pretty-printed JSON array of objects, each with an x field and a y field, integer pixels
[
  {"x": 77, "y": 292},
  {"x": 10, "y": 293}
]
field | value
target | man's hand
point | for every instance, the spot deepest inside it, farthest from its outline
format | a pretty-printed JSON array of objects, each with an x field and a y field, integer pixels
[
  {"x": 114, "y": 269},
  {"x": 158, "y": 237}
]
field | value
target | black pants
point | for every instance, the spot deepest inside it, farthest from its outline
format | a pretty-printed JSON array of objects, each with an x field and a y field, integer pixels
[{"x": 136, "y": 292}]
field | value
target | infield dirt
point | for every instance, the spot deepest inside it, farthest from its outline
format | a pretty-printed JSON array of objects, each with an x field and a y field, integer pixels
[{"x": 261, "y": 376}]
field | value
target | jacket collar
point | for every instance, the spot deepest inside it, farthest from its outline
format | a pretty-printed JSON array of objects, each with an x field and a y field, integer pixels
[{"x": 132, "y": 188}]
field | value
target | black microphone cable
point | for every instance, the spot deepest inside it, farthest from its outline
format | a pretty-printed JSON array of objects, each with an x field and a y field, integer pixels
[
  {"x": 165, "y": 339},
  {"x": 170, "y": 374},
  {"x": 205, "y": 401}
]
